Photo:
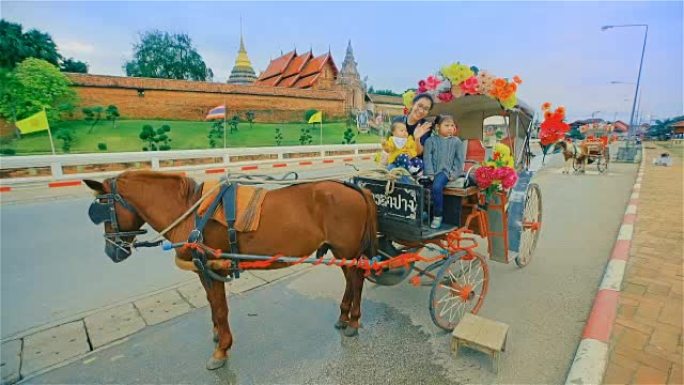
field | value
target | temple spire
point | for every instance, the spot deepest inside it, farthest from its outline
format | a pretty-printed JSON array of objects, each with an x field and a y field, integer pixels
[
  {"x": 242, "y": 72},
  {"x": 349, "y": 74}
]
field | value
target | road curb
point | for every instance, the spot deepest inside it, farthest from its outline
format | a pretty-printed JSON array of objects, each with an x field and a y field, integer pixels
[{"x": 591, "y": 357}]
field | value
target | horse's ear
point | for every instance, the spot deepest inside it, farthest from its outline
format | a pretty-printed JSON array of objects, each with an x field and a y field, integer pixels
[{"x": 94, "y": 185}]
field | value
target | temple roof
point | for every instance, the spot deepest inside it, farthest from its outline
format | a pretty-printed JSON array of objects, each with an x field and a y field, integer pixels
[{"x": 295, "y": 71}]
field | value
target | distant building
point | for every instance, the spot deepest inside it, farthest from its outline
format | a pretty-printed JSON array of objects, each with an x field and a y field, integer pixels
[{"x": 304, "y": 71}]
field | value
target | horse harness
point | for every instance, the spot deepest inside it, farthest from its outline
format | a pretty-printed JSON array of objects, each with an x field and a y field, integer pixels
[
  {"x": 103, "y": 209},
  {"x": 227, "y": 196}
]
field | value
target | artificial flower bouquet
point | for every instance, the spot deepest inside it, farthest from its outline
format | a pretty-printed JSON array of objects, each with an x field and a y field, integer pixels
[
  {"x": 456, "y": 80},
  {"x": 497, "y": 174}
]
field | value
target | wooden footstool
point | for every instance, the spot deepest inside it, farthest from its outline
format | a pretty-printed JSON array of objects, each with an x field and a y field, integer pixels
[{"x": 480, "y": 334}]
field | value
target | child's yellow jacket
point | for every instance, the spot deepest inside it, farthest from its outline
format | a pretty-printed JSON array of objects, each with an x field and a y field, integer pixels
[{"x": 409, "y": 148}]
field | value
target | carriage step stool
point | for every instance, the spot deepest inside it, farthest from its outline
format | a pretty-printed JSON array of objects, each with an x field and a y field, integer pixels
[{"x": 481, "y": 334}]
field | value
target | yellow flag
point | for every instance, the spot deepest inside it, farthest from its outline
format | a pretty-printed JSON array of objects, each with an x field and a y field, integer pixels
[
  {"x": 317, "y": 117},
  {"x": 35, "y": 123}
]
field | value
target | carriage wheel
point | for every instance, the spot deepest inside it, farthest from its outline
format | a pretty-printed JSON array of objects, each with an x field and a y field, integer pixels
[
  {"x": 531, "y": 225},
  {"x": 389, "y": 277},
  {"x": 460, "y": 287}
]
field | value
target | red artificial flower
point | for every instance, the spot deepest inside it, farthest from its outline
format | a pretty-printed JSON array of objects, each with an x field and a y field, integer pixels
[
  {"x": 421, "y": 87},
  {"x": 469, "y": 86},
  {"x": 445, "y": 97}
]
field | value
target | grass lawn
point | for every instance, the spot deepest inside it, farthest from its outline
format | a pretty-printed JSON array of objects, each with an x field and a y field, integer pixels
[
  {"x": 185, "y": 135},
  {"x": 675, "y": 149}
]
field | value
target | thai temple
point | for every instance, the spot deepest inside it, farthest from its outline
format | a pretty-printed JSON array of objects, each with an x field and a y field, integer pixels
[{"x": 242, "y": 72}]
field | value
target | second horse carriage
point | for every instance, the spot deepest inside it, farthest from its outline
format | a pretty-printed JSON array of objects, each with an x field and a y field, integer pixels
[{"x": 595, "y": 148}]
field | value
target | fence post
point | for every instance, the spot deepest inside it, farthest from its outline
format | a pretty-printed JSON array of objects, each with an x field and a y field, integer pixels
[
  {"x": 56, "y": 169},
  {"x": 155, "y": 163}
]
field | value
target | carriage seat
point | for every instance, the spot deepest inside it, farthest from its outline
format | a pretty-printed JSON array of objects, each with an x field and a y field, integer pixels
[{"x": 475, "y": 154}]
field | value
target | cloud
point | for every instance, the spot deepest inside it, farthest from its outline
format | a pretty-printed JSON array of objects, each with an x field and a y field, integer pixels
[{"x": 75, "y": 48}]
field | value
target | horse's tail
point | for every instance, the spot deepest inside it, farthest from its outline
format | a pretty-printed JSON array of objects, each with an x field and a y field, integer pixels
[{"x": 369, "y": 244}]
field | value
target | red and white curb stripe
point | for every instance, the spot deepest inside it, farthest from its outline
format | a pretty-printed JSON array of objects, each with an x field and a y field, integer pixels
[{"x": 591, "y": 357}]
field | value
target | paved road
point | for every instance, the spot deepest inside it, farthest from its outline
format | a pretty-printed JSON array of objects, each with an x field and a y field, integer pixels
[
  {"x": 53, "y": 261},
  {"x": 283, "y": 332}
]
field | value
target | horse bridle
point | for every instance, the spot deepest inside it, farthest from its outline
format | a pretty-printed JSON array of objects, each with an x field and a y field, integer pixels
[{"x": 103, "y": 209}]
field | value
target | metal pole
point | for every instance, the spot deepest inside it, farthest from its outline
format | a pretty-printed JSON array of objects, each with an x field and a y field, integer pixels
[{"x": 636, "y": 91}]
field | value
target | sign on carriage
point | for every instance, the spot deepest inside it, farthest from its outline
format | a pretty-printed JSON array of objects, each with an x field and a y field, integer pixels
[{"x": 401, "y": 203}]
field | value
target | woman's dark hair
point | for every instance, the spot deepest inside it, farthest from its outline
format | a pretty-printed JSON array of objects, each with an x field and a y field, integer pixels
[
  {"x": 439, "y": 119},
  {"x": 424, "y": 96}
]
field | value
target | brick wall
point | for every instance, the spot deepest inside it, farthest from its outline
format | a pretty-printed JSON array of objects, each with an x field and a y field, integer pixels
[{"x": 146, "y": 98}]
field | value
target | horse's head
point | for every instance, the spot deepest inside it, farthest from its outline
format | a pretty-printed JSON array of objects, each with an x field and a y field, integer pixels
[
  {"x": 560, "y": 146},
  {"x": 121, "y": 220}
]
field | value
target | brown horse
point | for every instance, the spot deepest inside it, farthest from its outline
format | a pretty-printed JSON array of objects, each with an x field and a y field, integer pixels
[{"x": 295, "y": 221}]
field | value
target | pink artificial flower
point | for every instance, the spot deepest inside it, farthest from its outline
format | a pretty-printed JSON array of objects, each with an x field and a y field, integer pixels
[
  {"x": 469, "y": 86},
  {"x": 432, "y": 83},
  {"x": 445, "y": 97}
]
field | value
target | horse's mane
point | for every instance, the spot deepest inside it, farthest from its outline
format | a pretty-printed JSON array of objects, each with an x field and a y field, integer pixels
[{"x": 186, "y": 186}]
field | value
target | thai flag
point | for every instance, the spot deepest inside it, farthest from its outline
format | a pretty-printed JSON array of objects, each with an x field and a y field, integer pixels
[{"x": 216, "y": 113}]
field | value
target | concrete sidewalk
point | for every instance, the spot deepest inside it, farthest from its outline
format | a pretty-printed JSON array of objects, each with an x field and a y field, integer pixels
[
  {"x": 646, "y": 341},
  {"x": 51, "y": 346}
]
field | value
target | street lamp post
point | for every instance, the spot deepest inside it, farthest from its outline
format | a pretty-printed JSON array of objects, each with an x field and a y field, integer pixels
[
  {"x": 638, "y": 108},
  {"x": 594, "y": 113},
  {"x": 641, "y": 63}
]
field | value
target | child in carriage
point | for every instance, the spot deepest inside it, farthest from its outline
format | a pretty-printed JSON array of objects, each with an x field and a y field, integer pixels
[
  {"x": 401, "y": 149},
  {"x": 443, "y": 157}
]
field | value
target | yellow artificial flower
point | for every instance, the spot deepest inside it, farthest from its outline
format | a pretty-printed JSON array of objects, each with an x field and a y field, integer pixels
[
  {"x": 408, "y": 98},
  {"x": 510, "y": 102},
  {"x": 456, "y": 73}
]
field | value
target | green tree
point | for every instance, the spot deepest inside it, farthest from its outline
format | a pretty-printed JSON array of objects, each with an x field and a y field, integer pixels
[
  {"x": 233, "y": 123},
  {"x": 73, "y": 65},
  {"x": 93, "y": 114},
  {"x": 155, "y": 139},
  {"x": 170, "y": 56},
  {"x": 305, "y": 136},
  {"x": 16, "y": 45},
  {"x": 349, "y": 136},
  {"x": 112, "y": 114},
  {"x": 66, "y": 137},
  {"x": 384, "y": 92},
  {"x": 215, "y": 133},
  {"x": 278, "y": 136},
  {"x": 250, "y": 118},
  {"x": 33, "y": 85},
  {"x": 575, "y": 134}
]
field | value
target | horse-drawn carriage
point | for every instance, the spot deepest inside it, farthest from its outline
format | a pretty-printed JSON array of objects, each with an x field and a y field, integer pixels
[
  {"x": 509, "y": 220},
  {"x": 284, "y": 226},
  {"x": 594, "y": 149}
]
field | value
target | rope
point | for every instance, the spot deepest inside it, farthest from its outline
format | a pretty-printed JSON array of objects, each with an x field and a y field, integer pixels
[{"x": 192, "y": 208}]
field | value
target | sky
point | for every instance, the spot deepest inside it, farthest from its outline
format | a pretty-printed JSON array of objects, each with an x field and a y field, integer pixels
[{"x": 557, "y": 48}]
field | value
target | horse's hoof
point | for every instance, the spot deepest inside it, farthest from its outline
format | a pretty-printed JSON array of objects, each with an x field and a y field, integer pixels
[
  {"x": 350, "y": 331},
  {"x": 215, "y": 363},
  {"x": 340, "y": 325}
]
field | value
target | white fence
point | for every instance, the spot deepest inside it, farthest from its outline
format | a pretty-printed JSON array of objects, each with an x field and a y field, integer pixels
[{"x": 23, "y": 169}]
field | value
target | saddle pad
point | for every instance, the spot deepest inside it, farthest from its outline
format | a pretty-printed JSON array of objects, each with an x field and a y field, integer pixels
[{"x": 248, "y": 206}]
